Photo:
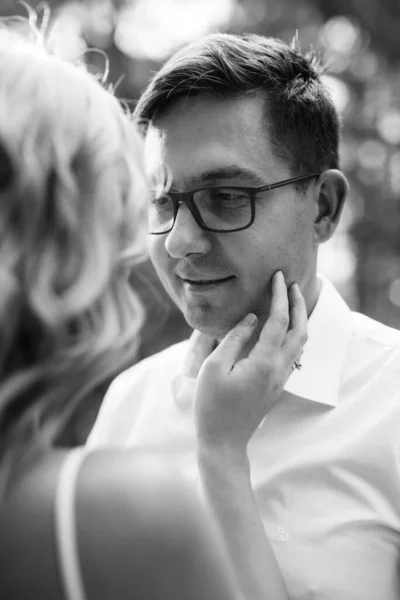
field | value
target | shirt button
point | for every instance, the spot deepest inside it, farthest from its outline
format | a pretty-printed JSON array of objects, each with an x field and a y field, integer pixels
[{"x": 281, "y": 535}]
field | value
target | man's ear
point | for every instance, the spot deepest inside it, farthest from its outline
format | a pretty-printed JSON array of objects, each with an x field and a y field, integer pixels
[{"x": 331, "y": 192}]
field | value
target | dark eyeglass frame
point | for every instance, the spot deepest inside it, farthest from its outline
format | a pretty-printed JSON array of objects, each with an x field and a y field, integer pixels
[{"x": 178, "y": 198}]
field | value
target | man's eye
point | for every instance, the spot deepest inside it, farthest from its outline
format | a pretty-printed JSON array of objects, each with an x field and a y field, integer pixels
[{"x": 231, "y": 197}]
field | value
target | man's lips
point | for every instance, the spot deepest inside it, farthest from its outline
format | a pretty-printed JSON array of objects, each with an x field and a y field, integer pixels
[{"x": 205, "y": 280}]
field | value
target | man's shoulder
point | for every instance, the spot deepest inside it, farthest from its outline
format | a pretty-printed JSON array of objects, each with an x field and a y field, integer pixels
[
  {"x": 155, "y": 370},
  {"x": 374, "y": 354},
  {"x": 364, "y": 329},
  {"x": 167, "y": 360},
  {"x": 148, "y": 380},
  {"x": 377, "y": 333}
]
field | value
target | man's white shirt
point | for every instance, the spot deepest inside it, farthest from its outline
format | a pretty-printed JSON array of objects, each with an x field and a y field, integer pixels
[{"x": 325, "y": 462}]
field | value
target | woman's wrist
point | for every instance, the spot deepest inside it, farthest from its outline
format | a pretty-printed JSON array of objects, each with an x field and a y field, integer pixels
[{"x": 222, "y": 456}]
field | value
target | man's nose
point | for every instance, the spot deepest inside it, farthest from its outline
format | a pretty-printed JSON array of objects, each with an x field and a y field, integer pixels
[{"x": 187, "y": 237}]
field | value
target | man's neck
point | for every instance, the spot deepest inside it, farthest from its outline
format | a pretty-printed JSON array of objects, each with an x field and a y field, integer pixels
[{"x": 312, "y": 294}]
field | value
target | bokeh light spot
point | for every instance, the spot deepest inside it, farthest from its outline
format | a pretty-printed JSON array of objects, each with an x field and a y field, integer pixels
[
  {"x": 372, "y": 154},
  {"x": 153, "y": 29},
  {"x": 394, "y": 292},
  {"x": 338, "y": 90},
  {"x": 389, "y": 127},
  {"x": 342, "y": 35}
]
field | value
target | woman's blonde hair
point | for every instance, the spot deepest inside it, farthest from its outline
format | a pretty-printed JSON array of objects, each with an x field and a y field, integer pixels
[{"x": 72, "y": 195}]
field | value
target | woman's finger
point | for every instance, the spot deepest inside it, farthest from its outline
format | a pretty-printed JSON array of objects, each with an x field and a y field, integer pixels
[
  {"x": 234, "y": 343},
  {"x": 296, "y": 335},
  {"x": 199, "y": 348},
  {"x": 274, "y": 331}
]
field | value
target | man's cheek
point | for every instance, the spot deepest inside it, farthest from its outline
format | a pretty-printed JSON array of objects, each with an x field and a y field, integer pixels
[{"x": 157, "y": 256}]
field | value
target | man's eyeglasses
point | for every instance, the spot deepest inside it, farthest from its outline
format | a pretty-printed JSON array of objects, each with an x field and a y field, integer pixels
[{"x": 219, "y": 209}]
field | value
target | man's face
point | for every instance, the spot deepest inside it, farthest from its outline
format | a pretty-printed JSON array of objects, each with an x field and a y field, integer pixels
[{"x": 217, "y": 278}]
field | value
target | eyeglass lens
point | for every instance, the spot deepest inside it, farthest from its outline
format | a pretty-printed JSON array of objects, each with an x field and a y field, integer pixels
[{"x": 223, "y": 209}]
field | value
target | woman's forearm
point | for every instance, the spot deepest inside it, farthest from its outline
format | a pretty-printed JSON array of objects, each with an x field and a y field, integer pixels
[{"x": 225, "y": 478}]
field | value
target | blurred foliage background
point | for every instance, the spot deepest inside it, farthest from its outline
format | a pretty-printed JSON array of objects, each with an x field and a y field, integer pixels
[{"x": 360, "y": 41}]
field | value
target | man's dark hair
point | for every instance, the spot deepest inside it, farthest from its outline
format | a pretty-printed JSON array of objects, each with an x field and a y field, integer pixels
[{"x": 303, "y": 124}]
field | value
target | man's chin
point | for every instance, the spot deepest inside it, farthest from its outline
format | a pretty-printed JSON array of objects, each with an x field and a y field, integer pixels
[{"x": 212, "y": 325}]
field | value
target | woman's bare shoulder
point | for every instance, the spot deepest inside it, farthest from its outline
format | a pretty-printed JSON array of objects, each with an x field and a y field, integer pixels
[{"x": 143, "y": 530}]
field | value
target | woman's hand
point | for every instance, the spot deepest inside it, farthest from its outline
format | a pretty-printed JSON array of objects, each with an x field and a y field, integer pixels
[{"x": 233, "y": 395}]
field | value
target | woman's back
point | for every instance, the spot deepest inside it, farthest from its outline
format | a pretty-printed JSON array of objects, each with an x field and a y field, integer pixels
[{"x": 140, "y": 532}]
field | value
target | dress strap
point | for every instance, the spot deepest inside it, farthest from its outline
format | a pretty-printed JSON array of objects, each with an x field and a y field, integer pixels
[{"x": 65, "y": 526}]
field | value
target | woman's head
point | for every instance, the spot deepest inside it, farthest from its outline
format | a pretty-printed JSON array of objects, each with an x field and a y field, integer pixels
[{"x": 72, "y": 188}]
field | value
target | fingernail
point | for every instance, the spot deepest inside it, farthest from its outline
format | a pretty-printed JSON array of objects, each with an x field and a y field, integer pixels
[
  {"x": 280, "y": 275},
  {"x": 250, "y": 320}
]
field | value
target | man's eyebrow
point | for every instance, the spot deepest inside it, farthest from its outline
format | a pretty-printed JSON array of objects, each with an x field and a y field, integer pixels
[{"x": 246, "y": 177}]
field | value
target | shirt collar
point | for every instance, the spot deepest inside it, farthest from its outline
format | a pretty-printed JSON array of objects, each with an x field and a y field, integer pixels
[{"x": 329, "y": 334}]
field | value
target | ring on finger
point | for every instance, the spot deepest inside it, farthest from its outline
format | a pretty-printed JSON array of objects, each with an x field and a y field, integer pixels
[{"x": 296, "y": 366}]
